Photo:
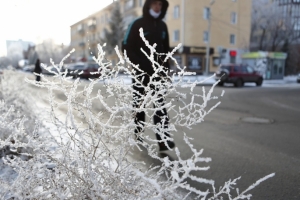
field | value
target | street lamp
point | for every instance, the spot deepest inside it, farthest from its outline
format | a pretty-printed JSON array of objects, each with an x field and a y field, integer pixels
[
  {"x": 209, "y": 36},
  {"x": 208, "y": 41}
]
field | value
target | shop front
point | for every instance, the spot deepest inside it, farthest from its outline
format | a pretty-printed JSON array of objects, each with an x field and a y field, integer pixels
[
  {"x": 270, "y": 65},
  {"x": 191, "y": 57}
]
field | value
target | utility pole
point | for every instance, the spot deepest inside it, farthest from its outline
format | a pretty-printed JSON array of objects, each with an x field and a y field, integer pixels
[{"x": 209, "y": 36}]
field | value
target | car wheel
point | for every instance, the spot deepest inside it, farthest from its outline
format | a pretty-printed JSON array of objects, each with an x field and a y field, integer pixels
[
  {"x": 220, "y": 83},
  {"x": 259, "y": 82},
  {"x": 224, "y": 75},
  {"x": 239, "y": 83}
]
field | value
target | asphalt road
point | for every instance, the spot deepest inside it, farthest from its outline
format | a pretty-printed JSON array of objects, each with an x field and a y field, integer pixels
[
  {"x": 251, "y": 150},
  {"x": 268, "y": 142}
]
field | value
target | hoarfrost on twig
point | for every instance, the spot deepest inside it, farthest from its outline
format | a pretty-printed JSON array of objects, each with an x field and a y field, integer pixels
[{"x": 89, "y": 155}]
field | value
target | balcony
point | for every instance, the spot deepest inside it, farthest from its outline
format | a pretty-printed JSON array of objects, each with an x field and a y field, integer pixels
[
  {"x": 81, "y": 32},
  {"x": 80, "y": 29},
  {"x": 92, "y": 24}
]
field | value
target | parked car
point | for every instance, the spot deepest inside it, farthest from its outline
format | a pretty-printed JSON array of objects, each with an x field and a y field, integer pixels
[
  {"x": 83, "y": 70},
  {"x": 298, "y": 78},
  {"x": 51, "y": 72},
  {"x": 238, "y": 75}
]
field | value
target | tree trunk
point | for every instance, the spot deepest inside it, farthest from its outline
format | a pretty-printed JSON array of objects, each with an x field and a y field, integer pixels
[{"x": 261, "y": 40}]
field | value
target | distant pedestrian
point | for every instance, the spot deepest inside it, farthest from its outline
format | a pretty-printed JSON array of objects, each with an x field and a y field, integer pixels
[
  {"x": 155, "y": 31},
  {"x": 38, "y": 69}
]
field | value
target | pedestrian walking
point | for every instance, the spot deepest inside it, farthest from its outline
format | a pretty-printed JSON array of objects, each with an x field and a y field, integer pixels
[
  {"x": 155, "y": 31},
  {"x": 38, "y": 69}
]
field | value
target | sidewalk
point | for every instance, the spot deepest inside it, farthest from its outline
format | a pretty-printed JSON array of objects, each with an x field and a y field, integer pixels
[
  {"x": 210, "y": 80},
  {"x": 285, "y": 80}
]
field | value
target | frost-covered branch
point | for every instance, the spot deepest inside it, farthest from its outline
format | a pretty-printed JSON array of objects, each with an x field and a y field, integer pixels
[{"x": 87, "y": 153}]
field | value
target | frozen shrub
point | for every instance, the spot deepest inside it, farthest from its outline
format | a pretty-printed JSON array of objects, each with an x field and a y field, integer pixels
[{"x": 88, "y": 153}]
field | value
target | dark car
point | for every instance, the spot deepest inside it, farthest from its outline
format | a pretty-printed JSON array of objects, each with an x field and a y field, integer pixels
[
  {"x": 298, "y": 78},
  {"x": 83, "y": 70},
  {"x": 28, "y": 68},
  {"x": 51, "y": 70},
  {"x": 238, "y": 75}
]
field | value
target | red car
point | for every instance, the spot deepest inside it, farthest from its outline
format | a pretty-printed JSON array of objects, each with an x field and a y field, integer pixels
[{"x": 238, "y": 75}]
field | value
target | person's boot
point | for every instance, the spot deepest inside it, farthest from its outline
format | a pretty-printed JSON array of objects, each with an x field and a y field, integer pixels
[{"x": 162, "y": 146}]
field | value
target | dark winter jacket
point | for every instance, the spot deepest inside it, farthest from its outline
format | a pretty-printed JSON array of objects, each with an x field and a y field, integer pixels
[
  {"x": 155, "y": 31},
  {"x": 38, "y": 68}
]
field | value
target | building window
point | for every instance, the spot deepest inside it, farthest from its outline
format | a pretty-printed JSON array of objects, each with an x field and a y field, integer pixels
[
  {"x": 176, "y": 36},
  {"x": 216, "y": 61},
  {"x": 141, "y": 3},
  {"x": 285, "y": 10},
  {"x": 194, "y": 63},
  {"x": 205, "y": 36},
  {"x": 106, "y": 18},
  {"x": 92, "y": 22},
  {"x": 129, "y": 4},
  {"x": 176, "y": 12},
  {"x": 296, "y": 24},
  {"x": 284, "y": 2},
  {"x": 297, "y": 33},
  {"x": 233, "y": 18},
  {"x": 165, "y": 18},
  {"x": 206, "y": 13},
  {"x": 232, "y": 39},
  {"x": 128, "y": 19},
  {"x": 102, "y": 34},
  {"x": 79, "y": 27}
]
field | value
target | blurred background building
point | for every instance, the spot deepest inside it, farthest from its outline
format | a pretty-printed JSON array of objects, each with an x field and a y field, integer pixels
[
  {"x": 187, "y": 21},
  {"x": 17, "y": 50}
]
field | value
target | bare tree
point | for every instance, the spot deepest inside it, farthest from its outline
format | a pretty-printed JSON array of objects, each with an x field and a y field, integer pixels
[
  {"x": 115, "y": 34},
  {"x": 270, "y": 27},
  {"x": 274, "y": 28}
]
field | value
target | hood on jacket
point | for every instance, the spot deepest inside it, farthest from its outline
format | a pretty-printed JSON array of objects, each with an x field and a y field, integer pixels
[{"x": 164, "y": 8}]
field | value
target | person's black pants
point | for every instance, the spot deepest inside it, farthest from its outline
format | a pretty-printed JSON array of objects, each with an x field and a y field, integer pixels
[
  {"x": 38, "y": 78},
  {"x": 160, "y": 117}
]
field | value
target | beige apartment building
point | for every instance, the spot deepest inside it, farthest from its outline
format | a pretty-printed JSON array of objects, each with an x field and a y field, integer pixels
[
  {"x": 187, "y": 22},
  {"x": 86, "y": 34}
]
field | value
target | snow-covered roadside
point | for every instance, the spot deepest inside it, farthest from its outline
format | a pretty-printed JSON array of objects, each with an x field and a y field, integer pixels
[
  {"x": 136, "y": 178},
  {"x": 84, "y": 162},
  {"x": 17, "y": 105},
  {"x": 209, "y": 80}
]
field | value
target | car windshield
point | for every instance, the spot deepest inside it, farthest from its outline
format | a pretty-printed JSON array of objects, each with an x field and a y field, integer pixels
[
  {"x": 225, "y": 67},
  {"x": 79, "y": 67},
  {"x": 93, "y": 66}
]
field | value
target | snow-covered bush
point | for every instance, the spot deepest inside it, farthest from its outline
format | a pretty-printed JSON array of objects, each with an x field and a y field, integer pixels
[
  {"x": 87, "y": 154},
  {"x": 15, "y": 116}
]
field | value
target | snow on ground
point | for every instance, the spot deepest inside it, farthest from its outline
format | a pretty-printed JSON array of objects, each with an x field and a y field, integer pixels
[
  {"x": 209, "y": 80},
  {"x": 8, "y": 174}
]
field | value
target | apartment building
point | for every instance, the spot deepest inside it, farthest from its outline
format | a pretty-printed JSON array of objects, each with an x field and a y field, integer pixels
[
  {"x": 187, "y": 21},
  {"x": 86, "y": 34}
]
